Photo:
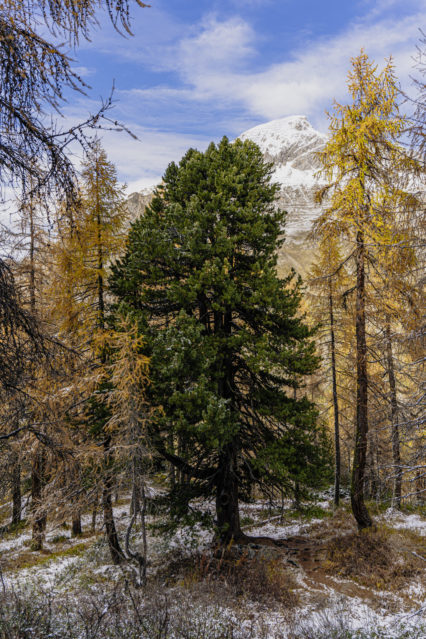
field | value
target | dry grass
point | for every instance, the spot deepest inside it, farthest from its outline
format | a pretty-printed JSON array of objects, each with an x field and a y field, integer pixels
[
  {"x": 341, "y": 522},
  {"x": 29, "y": 558},
  {"x": 263, "y": 580},
  {"x": 373, "y": 558}
]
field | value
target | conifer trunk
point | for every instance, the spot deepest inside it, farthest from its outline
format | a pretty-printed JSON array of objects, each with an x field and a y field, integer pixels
[
  {"x": 359, "y": 508},
  {"x": 32, "y": 261},
  {"x": 227, "y": 510},
  {"x": 76, "y": 529},
  {"x": 117, "y": 555},
  {"x": 16, "y": 492},
  {"x": 373, "y": 481},
  {"x": 335, "y": 404},
  {"x": 396, "y": 454},
  {"x": 94, "y": 515},
  {"x": 38, "y": 477},
  {"x": 227, "y": 507}
]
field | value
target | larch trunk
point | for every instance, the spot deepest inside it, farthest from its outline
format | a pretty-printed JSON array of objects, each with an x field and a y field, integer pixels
[
  {"x": 337, "y": 471},
  {"x": 16, "y": 492},
  {"x": 76, "y": 529},
  {"x": 117, "y": 555},
  {"x": 396, "y": 453},
  {"x": 359, "y": 508},
  {"x": 38, "y": 480}
]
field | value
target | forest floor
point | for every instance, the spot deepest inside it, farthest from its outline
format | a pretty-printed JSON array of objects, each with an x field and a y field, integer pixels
[{"x": 317, "y": 578}]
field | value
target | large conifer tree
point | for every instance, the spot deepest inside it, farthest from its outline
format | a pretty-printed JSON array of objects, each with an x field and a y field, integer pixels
[{"x": 227, "y": 345}]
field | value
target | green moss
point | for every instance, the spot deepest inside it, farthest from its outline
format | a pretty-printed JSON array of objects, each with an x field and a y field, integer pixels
[
  {"x": 246, "y": 520},
  {"x": 58, "y": 539}
]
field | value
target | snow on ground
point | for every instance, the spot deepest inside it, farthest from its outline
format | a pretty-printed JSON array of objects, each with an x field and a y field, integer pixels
[
  {"x": 397, "y": 519},
  {"x": 320, "y": 603},
  {"x": 275, "y": 530},
  {"x": 53, "y": 573},
  {"x": 353, "y": 614},
  {"x": 15, "y": 542}
]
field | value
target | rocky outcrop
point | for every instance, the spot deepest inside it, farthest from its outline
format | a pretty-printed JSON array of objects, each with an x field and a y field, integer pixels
[{"x": 292, "y": 144}]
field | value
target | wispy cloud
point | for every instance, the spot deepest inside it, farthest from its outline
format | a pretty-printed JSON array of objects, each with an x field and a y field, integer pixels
[
  {"x": 84, "y": 72},
  {"x": 214, "y": 76},
  {"x": 305, "y": 82}
]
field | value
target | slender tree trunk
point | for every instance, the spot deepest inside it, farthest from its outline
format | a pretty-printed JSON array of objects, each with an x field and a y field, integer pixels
[
  {"x": 335, "y": 403},
  {"x": 16, "y": 492},
  {"x": 172, "y": 470},
  {"x": 94, "y": 514},
  {"x": 420, "y": 487},
  {"x": 117, "y": 555},
  {"x": 372, "y": 474},
  {"x": 297, "y": 502},
  {"x": 38, "y": 477},
  {"x": 359, "y": 508},
  {"x": 143, "y": 525},
  {"x": 76, "y": 530},
  {"x": 32, "y": 260},
  {"x": 38, "y": 473},
  {"x": 396, "y": 454}
]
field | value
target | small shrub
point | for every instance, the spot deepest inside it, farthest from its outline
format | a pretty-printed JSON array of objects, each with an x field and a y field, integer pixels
[
  {"x": 246, "y": 520},
  {"x": 59, "y": 539},
  {"x": 257, "y": 578},
  {"x": 371, "y": 559},
  {"x": 315, "y": 512}
]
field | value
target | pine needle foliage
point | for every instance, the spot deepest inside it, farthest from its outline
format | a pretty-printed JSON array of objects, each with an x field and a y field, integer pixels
[{"x": 226, "y": 341}]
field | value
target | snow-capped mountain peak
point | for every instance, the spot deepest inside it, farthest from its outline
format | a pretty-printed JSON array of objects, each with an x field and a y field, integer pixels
[
  {"x": 292, "y": 144},
  {"x": 286, "y": 139}
]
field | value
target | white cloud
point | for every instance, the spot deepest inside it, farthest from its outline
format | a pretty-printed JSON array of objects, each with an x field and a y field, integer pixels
[
  {"x": 221, "y": 45},
  {"x": 84, "y": 72},
  {"x": 144, "y": 161},
  {"x": 305, "y": 83}
]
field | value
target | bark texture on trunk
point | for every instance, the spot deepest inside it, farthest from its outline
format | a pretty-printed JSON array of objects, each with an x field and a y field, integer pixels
[
  {"x": 227, "y": 506},
  {"x": 76, "y": 530},
  {"x": 117, "y": 555},
  {"x": 94, "y": 515},
  {"x": 337, "y": 471},
  {"x": 16, "y": 492},
  {"x": 396, "y": 454},
  {"x": 38, "y": 481},
  {"x": 227, "y": 510},
  {"x": 359, "y": 508}
]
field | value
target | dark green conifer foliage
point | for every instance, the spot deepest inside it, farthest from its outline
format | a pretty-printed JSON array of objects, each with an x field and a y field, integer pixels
[{"x": 223, "y": 331}]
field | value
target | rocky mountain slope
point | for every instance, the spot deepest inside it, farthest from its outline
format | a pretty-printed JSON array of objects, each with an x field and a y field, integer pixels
[{"x": 291, "y": 145}]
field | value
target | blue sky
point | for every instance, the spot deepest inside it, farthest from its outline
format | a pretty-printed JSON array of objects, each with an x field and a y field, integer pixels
[{"x": 196, "y": 70}]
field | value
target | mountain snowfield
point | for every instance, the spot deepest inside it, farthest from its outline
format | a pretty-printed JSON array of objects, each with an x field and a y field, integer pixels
[{"x": 291, "y": 144}]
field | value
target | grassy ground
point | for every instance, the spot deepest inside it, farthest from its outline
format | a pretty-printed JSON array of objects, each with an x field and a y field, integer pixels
[{"x": 322, "y": 579}]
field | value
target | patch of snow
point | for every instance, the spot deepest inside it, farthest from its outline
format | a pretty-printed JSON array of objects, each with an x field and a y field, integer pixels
[
  {"x": 278, "y": 531},
  {"x": 400, "y": 520},
  {"x": 15, "y": 542}
]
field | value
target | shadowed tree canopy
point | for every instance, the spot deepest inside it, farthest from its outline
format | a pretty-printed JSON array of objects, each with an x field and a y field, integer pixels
[
  {"x": 227, "y": 345},
  {"x": 35, "y": 74},
  {"x": 20, "y": 340}
]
